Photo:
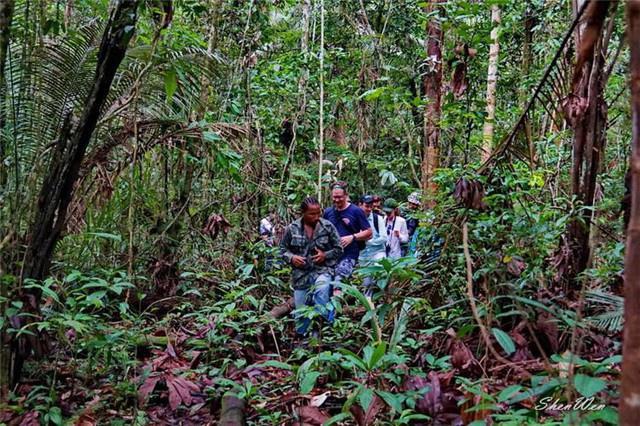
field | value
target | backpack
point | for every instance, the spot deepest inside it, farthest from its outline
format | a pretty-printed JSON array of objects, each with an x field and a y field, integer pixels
[{"x": 375, "y": 222}]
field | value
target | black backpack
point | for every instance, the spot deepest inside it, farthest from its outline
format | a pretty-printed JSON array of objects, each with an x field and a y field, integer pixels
[{"x": 375, "y": 222}]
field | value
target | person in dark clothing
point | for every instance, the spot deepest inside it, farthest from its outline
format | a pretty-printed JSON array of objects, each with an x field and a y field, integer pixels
[
  {"x": 412, "y": 208},
  {"x": 311, "y": 245},
  {"x": 413, "y": 205},
  {"x": 377, "y": 205},
  {"x": 353, "y": 228}
]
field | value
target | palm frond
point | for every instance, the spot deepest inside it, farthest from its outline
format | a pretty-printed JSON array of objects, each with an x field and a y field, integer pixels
[{"x": 611, "y": 319}]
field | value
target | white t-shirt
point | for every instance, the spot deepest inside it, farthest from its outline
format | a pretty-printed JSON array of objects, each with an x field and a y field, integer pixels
[{"x": 394, "y": 241}]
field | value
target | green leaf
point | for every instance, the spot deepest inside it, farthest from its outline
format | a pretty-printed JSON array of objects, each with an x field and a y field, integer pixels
[
  {"x": 377, "y": 355},
  {"x": 337, "y": 418},
  {"x": 55, "y": 415},
  {"x": 392, "y": 400},
  {"x": 365, "y": 397},
  {"x": 308, "y": 381},
  {"x": 50, "y": 293},
  {"x": 355, "y": 359},
  {"x": 373, "y": 94},
  {"x": 540, "y": 389},
  {"x": 170, "y": 83},
  {"x": 504, "y": 340},
  {"x": 353, "y": 291},
  {"x": 95, "y": 299},
  {"x": 400, "y": 325},
  {"x": 76, "y": 325},
  {"x": 276, "y": 364},
  {"x": 508, "y": 392},
  {"x": 608, "y": 415},
  {"x": 387, "y": 178},
  {"x": 588, "y": 386},
  {"x": 211, "y": 136},
  {"x": 104, "y": 235}
]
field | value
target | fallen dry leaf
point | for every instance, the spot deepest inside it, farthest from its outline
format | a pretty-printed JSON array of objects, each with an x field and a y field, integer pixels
[
  {"x": 366, "y": 419},
  {"x": 180, "y": 390},
  {"x": 32, "y": 418},
  {"x": 147, "y": 387},
  {"x": 312, "y": 415},
  {"x": 85, "y": 420},
  {"x": 318, "y": 400},
  {"x": 215, "y": 224}
]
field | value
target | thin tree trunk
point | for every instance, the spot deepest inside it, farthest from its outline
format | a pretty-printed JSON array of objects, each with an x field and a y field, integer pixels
[
  {"x": 527, "y": 59},
  {"x": 432, "y": 84},
  {"x": 630, "y": 390},
  {"x": 585, "y": 109},
  {"x": 492, "y": 78},
  {"x": 57, "y": 187},
  {"x": 304, "y": 49},
  {"x": 212, "y": 44},
  {"x": 68, "y": 13},
  {"x": 6, "y": 13},
  {"x": 321, "y": 121},
  {"x": 302, "y": 91}
]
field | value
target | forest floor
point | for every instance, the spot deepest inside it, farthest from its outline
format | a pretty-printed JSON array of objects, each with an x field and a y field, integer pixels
[{"x": 397, "y": 361}]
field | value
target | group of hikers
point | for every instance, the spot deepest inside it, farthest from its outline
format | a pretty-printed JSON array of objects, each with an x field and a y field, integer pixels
[{"x": 324, "y": 247}]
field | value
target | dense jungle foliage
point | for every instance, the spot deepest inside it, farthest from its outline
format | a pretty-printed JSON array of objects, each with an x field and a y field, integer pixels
[{"x": 143, "y": 141}]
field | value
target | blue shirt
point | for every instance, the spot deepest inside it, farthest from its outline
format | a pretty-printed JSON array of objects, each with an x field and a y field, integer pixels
[{"x": 348, "y": 222}]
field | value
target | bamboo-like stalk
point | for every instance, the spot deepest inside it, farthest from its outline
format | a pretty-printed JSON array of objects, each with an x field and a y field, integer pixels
[
  {"x": 492, "y": 78},
  {"x": 321, "y": 124}
]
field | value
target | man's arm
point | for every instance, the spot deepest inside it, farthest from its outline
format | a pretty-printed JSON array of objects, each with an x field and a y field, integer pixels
[
  {"x": 334, "y": 240},
  {"x": 286, "y": 254},
  {"x": 363, "y": 225},
  {"x": 404, "y": 234}
]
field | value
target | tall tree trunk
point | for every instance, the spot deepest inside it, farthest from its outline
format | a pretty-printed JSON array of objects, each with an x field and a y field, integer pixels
[
  {"x": 6, "y": 13},
  {"x": 630, "y": 401},
  {"x": 57, "y": 187},
  {"x": 585, "y": 109},
  {"x": 492, "y": 78},
  {"x": 292, "y": 125},
  {"x": 212, "y": 44},
  {"x": 527, "y": 60},
  {"x": 432, "y": 85}
]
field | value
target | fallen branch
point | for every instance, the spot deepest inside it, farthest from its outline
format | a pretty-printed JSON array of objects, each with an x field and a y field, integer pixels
[
  {"x": 474, "y": 309},
  {"x": 282, "y": 309},
  {"x": 145, "y": 341},
  {"x": 232, "y": 411}
]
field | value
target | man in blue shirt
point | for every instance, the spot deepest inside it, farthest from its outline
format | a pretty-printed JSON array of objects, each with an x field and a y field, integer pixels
[{"x": 353, "y": 228}]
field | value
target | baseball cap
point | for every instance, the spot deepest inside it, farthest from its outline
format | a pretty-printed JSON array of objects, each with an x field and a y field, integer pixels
[
  {"x": 389, "y": 205},
  {"x": 367, "y": 199}
]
